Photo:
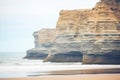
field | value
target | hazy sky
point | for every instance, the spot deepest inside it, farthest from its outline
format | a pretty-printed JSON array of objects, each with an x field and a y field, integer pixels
[{"x": 20, "y": 18}]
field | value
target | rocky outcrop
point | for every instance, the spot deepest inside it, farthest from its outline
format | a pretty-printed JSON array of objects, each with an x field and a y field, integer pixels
[
  {"x": 93, "y": 34},
  {"x": 44, "y": 37},
  {"x": 90, "y": 35},
  {"x": 67, "y": 43},
  {"x": 105, "y": 49},
  {"x": 36, "y": 53},
  {"x": 65, "y": 52},
  {"x": 44, "y": 40}
]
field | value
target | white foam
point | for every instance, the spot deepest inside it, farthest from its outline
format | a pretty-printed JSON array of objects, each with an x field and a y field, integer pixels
[
  {"x": 28, "y": 67},
  {"x": 51, "y": 67}
]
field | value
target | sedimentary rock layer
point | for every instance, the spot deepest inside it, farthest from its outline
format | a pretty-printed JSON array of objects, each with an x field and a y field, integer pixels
[
  {"x": 89, "y": 35},
  {"x": 44, "y": 40},
  {"x": 94, "y": 32},
  {"x": 65, "y": 52}
]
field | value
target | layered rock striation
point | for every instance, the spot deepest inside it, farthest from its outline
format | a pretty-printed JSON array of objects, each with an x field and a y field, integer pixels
[
  {"x": 44, "y": 40},
  {"x": 93, "y": 32},
  {"x": 105, "y": 49},
  {"x": 91, "y": 36}
]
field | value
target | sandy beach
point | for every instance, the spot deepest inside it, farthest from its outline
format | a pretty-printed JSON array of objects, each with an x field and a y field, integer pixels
[
  {"x": 71, "y": 77},
  {"x": 88, "y": 74}
]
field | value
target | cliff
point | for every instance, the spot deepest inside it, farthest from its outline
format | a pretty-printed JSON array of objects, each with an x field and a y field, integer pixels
[
  {"x": 94, "y": 32},
  {"x": 88, "y": 35},
  {"x": 44, "y": 40}
]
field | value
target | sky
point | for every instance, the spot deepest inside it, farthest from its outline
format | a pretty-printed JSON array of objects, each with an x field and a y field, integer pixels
[{"x": 20, "y": 18}]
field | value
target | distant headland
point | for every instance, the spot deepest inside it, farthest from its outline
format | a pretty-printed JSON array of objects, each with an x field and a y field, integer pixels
[{"x": 90, "y": 36}]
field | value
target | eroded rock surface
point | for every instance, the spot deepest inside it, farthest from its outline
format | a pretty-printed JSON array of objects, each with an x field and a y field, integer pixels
[
  {"x": 94, "y": 32},
  {"x": 89, "y": 35},
  {"x": 44, "y": 40}
]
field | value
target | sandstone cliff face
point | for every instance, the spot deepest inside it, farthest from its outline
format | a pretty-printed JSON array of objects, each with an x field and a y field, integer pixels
[
  {"x": 69, "y": 21},
  {"x": 105, "y": 48},
  {"x": 114, "y": 5},
  {"x": 44, "y": 36},
  {"x": 44, "y": 40},
  {"x": 95, "y": 34},
  {"x": 90, "y": 36},
  {"x": 87, "y": 21}
]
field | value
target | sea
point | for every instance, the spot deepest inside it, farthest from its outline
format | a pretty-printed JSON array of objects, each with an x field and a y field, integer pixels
[{"x": 13, "y": 65}]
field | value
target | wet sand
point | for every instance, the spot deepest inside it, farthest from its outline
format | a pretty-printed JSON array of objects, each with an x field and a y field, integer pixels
[
  {"x": 87, "y": 74},
  {"x": 71, "y": 77},
  {"x": 86, "y": 71}
]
